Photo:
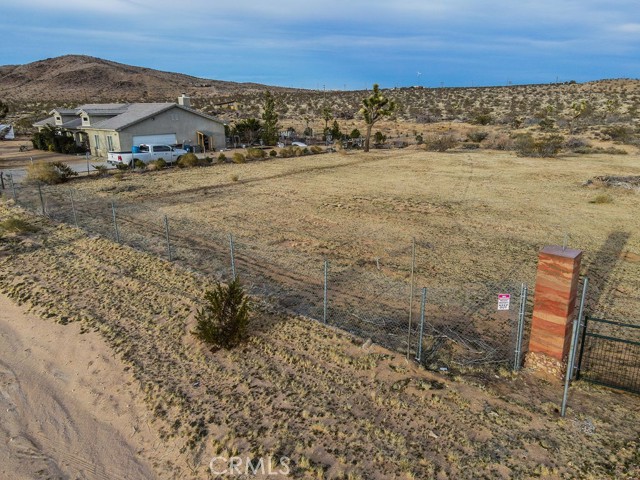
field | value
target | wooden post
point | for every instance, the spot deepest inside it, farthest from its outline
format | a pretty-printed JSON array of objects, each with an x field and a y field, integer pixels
[{"x": 554, "y": 305}]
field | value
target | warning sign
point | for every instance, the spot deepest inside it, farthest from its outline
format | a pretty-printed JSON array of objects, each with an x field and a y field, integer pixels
[{"x": 503, "y": 301}]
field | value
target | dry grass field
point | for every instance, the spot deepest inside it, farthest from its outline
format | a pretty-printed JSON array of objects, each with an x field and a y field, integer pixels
[{"x": 476, "y": 216}]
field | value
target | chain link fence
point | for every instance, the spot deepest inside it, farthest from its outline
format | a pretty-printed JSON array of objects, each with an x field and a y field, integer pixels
[{"x": 435, "y": 325}]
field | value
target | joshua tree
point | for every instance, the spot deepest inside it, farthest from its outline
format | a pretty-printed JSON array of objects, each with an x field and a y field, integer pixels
[{"x": 375, "y": 107}]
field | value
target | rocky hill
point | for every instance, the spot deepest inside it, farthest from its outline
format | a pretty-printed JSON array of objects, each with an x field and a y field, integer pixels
[{"x": 77, "y": 78}]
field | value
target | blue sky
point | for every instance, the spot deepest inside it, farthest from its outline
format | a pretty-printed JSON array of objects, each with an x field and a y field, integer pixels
[{"x": 339, "y": 44}]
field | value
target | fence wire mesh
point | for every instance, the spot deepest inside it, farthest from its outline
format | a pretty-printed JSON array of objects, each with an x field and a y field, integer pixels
[{"x": 372, "y": 299}]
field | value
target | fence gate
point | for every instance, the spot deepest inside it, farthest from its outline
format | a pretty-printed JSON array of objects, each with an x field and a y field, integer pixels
[{"x": 610, "y": 354}]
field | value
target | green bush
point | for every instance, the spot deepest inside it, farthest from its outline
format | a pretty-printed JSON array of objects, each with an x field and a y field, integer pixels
[
  {"x": 222, "y": 158},
  {"x": 160, "y": 164},
  {"x": 188, "y": 160},
  {"x": 238, "y": 158},
  {"x": 101, "y": 170},
  {"x": 224, "y": 319},
  {"x": 548, "y": 146},
  {"x": 273, "y": 153},
  {"x": 49, "y": 173},
  {"x": 139, "y": 164}
]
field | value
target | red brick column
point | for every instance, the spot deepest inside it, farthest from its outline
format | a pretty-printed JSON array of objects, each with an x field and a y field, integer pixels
[{"x": 555, "y": 301}]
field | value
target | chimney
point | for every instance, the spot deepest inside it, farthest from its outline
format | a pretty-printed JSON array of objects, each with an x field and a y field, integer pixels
[{"x": 184, "y": 100}]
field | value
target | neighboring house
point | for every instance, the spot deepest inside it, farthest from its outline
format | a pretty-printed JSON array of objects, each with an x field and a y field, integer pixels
[{"x": 118, "y": 126}]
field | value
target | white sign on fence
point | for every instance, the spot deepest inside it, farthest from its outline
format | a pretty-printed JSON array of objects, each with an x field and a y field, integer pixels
[{"x": 503, "y": 301}]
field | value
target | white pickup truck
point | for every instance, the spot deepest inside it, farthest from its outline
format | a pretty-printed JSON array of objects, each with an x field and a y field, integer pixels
[{"x": 146, "y": 153}]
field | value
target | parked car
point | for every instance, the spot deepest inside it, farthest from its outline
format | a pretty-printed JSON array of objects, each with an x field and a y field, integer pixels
[{"x": 146, "y": 153}]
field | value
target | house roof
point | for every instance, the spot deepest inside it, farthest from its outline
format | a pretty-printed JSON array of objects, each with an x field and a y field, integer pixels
[
  {"x": 135, "y": 112},
  {"x": 120, "y": 115},
  {"x": 71, "y": 124}
]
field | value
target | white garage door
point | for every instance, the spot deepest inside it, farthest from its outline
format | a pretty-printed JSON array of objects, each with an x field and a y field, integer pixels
[{"x": 162, "y": 139}]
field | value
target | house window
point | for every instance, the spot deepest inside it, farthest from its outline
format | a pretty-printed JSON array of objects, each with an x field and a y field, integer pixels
[
  {"x": 96, "y": 140},
  {"x": 85, "y": 119},
  {"x": 110, "y": 143}
]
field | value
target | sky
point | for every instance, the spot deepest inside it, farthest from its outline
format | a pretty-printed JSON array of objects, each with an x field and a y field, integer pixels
[{"x": 348, "y": 44}]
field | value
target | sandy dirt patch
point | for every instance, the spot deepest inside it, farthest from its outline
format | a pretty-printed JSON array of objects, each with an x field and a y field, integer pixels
[{"x": 68, "y": 408}]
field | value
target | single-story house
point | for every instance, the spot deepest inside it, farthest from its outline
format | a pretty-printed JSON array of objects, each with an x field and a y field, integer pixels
[{"x": 119, "y": 126}]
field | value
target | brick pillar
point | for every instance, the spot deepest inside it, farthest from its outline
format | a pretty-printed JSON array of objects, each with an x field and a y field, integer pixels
[{"x": 554, "y": 306}]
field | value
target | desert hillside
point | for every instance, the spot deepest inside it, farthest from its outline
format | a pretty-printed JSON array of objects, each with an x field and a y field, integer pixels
[{"x": 31, "y": 90}]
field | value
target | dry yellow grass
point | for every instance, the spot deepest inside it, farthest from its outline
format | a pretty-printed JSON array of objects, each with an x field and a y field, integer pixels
[{"x": 477, "y": 216}]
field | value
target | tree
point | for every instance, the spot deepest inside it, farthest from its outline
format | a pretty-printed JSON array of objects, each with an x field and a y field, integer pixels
[
  {"x": 248, "y": 130},
  {"x": 270, "y": 117},
  {"x": 335, "y": 132},
  {"x": 224, "y": 319},
  {"x": 355, "y": 133},
  {"x": 375, "y": 107}
]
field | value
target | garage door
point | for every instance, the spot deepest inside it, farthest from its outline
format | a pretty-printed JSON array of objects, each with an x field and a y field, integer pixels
[{"x": 162, "y": 139}]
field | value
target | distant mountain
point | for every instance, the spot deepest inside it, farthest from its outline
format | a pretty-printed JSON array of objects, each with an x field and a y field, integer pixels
[{"x": 80, "y": 78}]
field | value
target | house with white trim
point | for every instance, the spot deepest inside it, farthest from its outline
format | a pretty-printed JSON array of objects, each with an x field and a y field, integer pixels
[{"x": 116, "y": 127}]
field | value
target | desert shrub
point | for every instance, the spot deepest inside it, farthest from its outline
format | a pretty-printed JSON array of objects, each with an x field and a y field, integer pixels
[
  {"x": 222, "y": 158},
  {"x": 482, "y": 118},
  {"x": 529, "y": 146},
  {"x": 238, "y": 158},
  {"x": 224, "y": 319},
  {"x": 288, "y": 152},
  {"x": 235, "y": 177},
  {"x": 49, "y": 173},
  {"x": 306, "y": 151},
  {"x": 601, "y": 199},
  {"x": 160, "y": 164},
  {"x": 498, "y": 141},
  {"x": 315, "y": 149},
  {"x": 101, "y": 170},
  {"x": 440, "y": 143},
  {"x": 208, "y": 160},
  {"x": 139, "y": 164},
  {"x": 273, "y": 153},
  {"x": 470, "y": 146},
  {"x": 256, "y": 153},
  {"x": 17, "y": 225},
  {"x": 574, "y": 143},
  {"x": 419, "y": 139},
  {"x": 188, "y": 160},
  {"x": 477, "y": 136},
  {"x": 122, "y": 166},
  {"x": 619, "y": 133}
]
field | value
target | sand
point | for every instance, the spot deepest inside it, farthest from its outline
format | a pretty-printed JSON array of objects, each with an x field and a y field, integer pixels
[{"x": 67, "y": 405}]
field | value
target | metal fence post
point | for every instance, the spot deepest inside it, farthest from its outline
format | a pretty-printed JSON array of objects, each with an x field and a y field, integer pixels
[
  {"x": 166, "y": 231},
  {"x": 520, "y": 332},
  {"x": 325, "y": 303},
  {"x": 115, "y": 222},
  {"x": 233, "y": 260},
  {"x": 572, "y": 350},
  {"x": 44, "y": 212},
  {"x": 2, "y": 180},
  {"x": 413, "y": 265},
  {"x": 13, "y": 189},
  {"x": 73, "y": 208},
  {"x": 423, "y": 306}
]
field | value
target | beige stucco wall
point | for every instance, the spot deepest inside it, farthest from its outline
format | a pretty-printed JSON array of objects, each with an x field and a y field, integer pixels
[
  {"x": 103, "y": 141},
  {"x": 176, "y": 120}
]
